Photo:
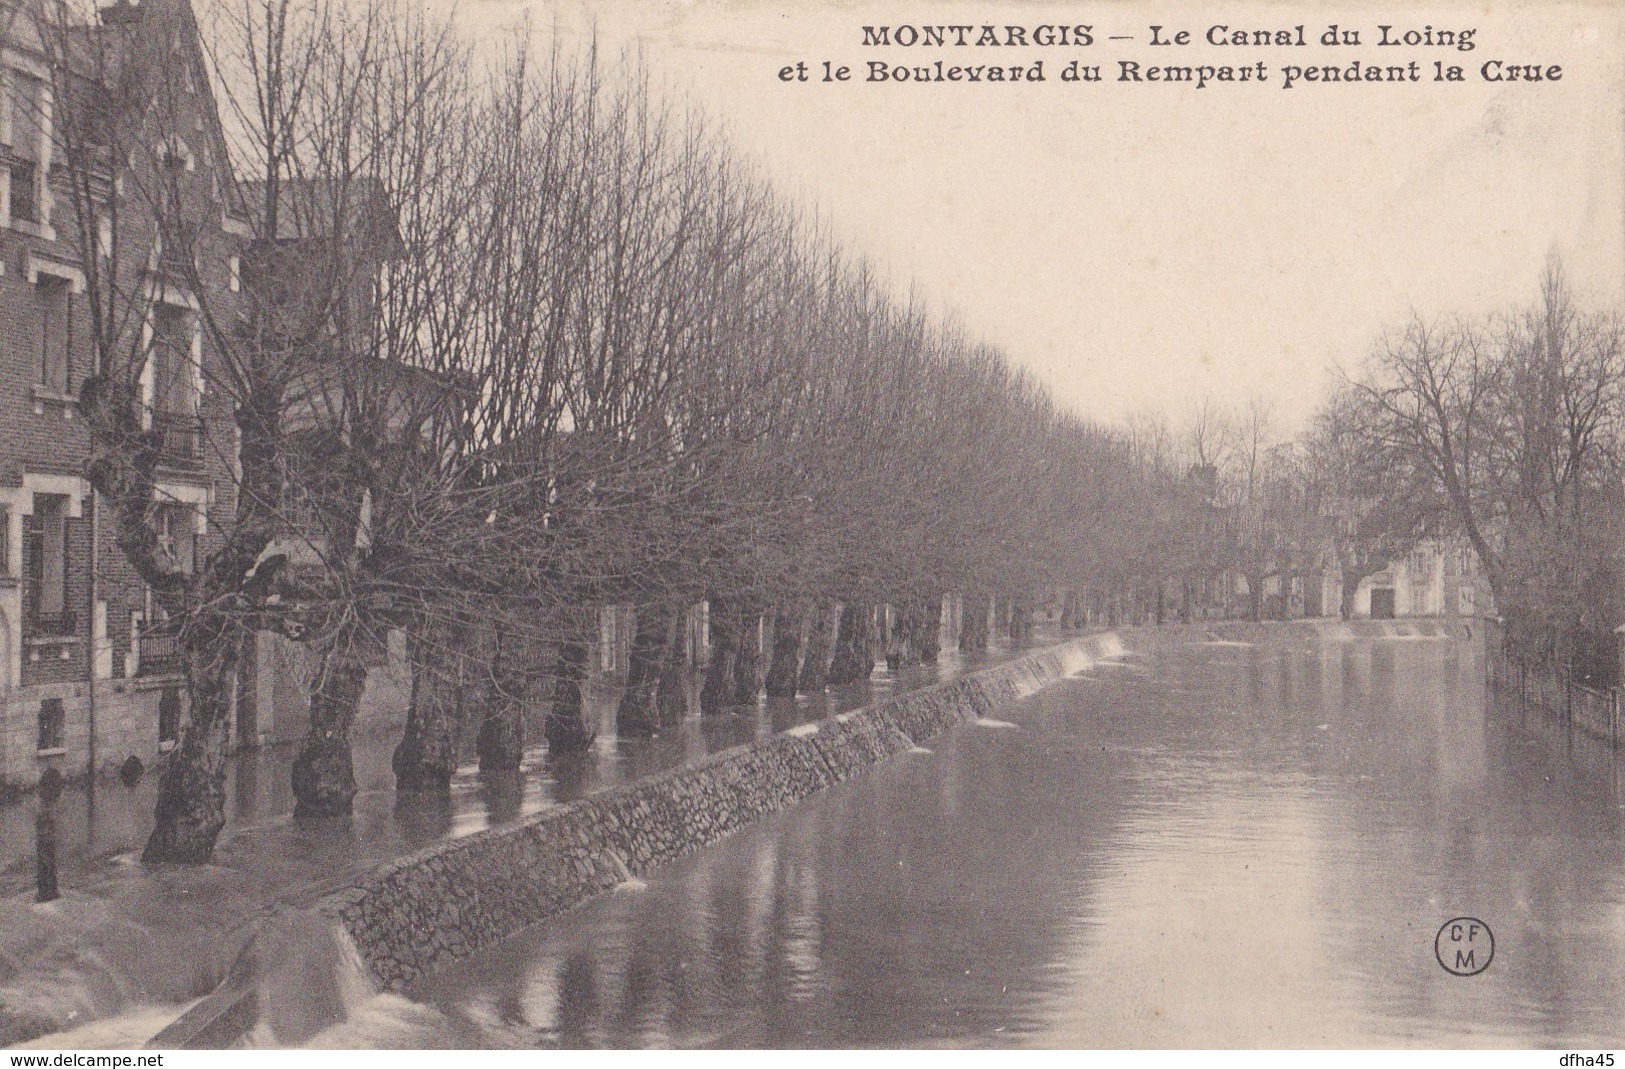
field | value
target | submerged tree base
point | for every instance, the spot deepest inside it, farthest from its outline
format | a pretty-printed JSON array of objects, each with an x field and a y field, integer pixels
[
  {"x": 427, "y": 755},
  {"x": 853, "y": 661},
  {"x": 566, "y": 729},
  {"x": 323, "y": 772},
  {"x": 191, "y": 813},
  {"x": 192, "y": 784},
  {"x": 323, "y": 780},
  {"x": 638, "y": 714}
]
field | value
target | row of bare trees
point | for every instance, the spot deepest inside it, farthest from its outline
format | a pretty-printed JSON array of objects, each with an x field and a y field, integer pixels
[{"x": 486, "y": 339}]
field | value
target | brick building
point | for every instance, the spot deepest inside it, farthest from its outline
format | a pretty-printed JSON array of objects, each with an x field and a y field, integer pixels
[{"x": 87, "y": 671}]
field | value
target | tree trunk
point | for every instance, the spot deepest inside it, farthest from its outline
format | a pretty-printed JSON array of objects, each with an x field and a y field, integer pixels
[
  {"x": 928, "y": 630},
  {"x": 903, "y": 621},
  {"x": 1071, "y": 617},
  {"x": 565, "y": 728},
  {"x": 748, "y": 660},
  {"x": 1002, "y": 617},
  {"x": 427, "y": 755},
  {"x": 1020, "y": 621},
  {"x": 637, "y": 715},
  {"x": 784, "y": 673},
  {"x": 854, "y": 659},
  {"x": 323, "y": 775},
  {"x": 45, "y": 866},
  {"x": 716, "y": 696},
  {"x": 815, "y": 659},
  {"x": 973, "y": 623},
  {"x": 501, "y": 742},
  {"x": 192, "y": 788},
  {"x": 1356, "y": 572},
  {"x": 671, "y": 697}
]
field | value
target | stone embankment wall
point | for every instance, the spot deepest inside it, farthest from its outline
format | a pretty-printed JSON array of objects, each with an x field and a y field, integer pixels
[{"x": 451, "y": 899}]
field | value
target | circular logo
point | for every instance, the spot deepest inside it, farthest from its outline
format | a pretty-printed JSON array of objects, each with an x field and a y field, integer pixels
[{"x": 1465, "y": 946}]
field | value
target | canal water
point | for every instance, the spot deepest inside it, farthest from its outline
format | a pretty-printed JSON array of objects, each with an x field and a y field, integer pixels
[{"x": 1221, "y": 845}]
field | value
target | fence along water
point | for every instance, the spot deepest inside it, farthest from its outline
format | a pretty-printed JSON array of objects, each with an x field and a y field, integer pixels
[{"x": 1552, "y": 688}]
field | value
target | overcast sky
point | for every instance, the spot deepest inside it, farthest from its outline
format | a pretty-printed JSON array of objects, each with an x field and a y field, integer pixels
[{"x": 1145, "y": 245}]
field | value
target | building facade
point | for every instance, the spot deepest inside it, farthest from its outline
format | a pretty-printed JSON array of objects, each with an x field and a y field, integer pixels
[
  {"x": 89, "y": 668},
  {"x": 1438, "y": 578}
]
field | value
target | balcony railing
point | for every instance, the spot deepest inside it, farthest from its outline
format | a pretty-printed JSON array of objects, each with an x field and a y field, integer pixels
[
  {"x": 181, "y": 444},
  {"x": 160, "y": 651},
  {"x": 53, "y": 624}
]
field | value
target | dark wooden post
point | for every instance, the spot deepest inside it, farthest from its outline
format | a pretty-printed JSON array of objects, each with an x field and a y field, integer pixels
[{"x": 45, "y": 882}]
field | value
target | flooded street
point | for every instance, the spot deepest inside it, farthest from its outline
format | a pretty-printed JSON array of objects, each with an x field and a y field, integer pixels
[
  {"x": 103, "y": 823},
  {"x": 1220, "y": 845}
]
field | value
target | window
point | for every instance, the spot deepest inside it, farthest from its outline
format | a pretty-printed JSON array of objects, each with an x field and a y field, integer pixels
[
  {"x": 177, "y": 534},
  {"x": 24, "y": 201},
  {"x": 53, "y": 298},
  {"x": 174, "y": 397},
  {"x": 52, "y": 720},
  {"x": 27, "y": 141},
  {"x": 5, "y": 541},
  {"x": 48, "y": 567},
  {"x": 175, "y": 392},
  {"x": 174, "y": 253}
]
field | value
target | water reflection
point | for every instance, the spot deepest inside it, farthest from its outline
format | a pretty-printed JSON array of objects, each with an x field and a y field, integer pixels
[
  {"x": 424, "y": 816},
  {"x": 1241, "y": 846}
]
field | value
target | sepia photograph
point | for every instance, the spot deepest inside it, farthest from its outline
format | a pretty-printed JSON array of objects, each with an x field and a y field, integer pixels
[{"x": 661, "y": 525}]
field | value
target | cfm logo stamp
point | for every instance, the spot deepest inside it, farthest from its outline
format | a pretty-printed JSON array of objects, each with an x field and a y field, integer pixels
[{"x": 1465, "y": 946}]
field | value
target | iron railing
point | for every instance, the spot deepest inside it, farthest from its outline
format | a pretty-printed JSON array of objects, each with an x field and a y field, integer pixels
[
  {"x": 158, "y": 652},
  {"x": 181, "y": 439},
  {"x": 1552, "y": 689}
]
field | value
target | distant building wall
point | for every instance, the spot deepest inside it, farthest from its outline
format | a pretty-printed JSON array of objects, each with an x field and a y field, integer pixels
[
  {"x": 1439, "y": 578},
  {"x": 274, "y": 690}
]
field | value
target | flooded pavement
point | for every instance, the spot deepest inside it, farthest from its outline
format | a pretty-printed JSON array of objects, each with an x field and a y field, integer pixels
[
  {"x": 127, "y": 947},
  {"x": 1222, "y": 845},
  {"x": 104, "y": 823}
]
